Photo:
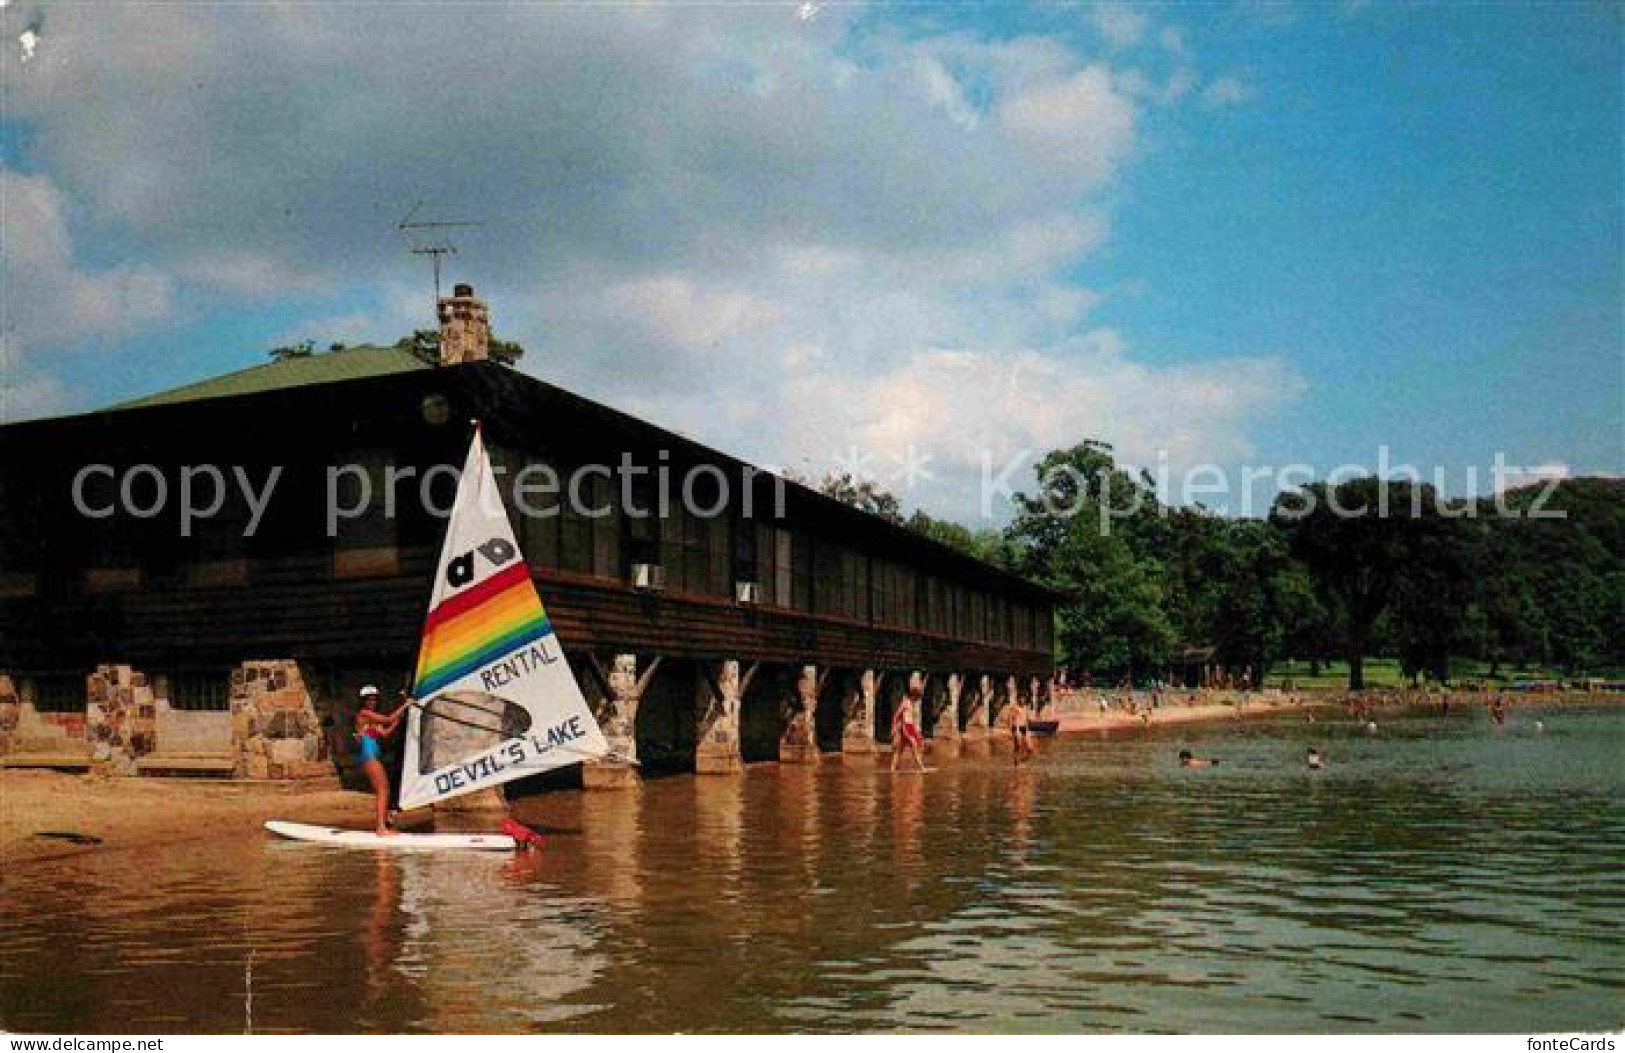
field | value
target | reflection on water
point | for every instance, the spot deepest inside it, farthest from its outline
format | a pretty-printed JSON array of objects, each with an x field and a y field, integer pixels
[{"x": 1439, "y": 876}]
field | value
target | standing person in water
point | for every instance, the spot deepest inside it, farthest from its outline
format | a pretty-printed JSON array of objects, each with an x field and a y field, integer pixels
[
  {"x": 905, "y": 728},
  {"x": 1021, "y": 736},
  {"x": 371, "y": 728}
]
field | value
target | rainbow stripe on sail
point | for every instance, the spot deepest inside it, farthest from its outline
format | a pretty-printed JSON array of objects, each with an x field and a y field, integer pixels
[{"x": 474, "y": 628}]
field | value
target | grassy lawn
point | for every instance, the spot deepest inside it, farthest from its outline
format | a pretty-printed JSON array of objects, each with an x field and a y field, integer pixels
[{"x": 1384, "y": 672}]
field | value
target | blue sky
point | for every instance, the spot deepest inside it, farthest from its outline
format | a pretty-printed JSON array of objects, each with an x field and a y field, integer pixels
[{"x": 822, "y": 237}]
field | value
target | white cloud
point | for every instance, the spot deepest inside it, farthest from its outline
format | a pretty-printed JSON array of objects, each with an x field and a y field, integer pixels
[
  {"x": 1120, "y": 24},
  {"x": 52, "y": 300},
  {"x": 1082, "y": 122},
  {"x": 676, "y": 312},
  {"x": 760, "y": 229},
  {"x": 967, "y": 408},
  {"x": 1226, "y": 91}
]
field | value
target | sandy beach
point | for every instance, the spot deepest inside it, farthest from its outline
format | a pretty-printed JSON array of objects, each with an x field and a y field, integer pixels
[{"x": 130, "y": 813}]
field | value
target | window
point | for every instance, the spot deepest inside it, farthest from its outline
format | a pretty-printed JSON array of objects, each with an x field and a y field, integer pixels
[
  {"x": 671, "y": 547},
  {"x": 828, "y": 584},
  {"x": 855, "y": 569},
  {"x": 696, "y": 553},
  {"x": 606, "y": 529},
  {"x": 801, "y": 572},
  {"x": 575, "y": 529},
  {"x": 195, "y": 690},
  {"x": 781, "y": 566},
  {"x": 59, "y": 693},
  {"x": 536, "y": 512},
  {"x": 719, "y": 559},
  {"x": 366, "y": 544},
  {"x": 640, "y": 533},
  {"x": 746, "y": 566}
]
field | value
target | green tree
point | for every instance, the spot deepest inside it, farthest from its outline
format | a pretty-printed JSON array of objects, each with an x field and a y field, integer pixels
[
  {"x": 303, "y": 349},
  {"x": 864, "y": 494},
  {"x": 989, "y": 545},
  {"x": 1358, "y": 538},
  {"x": 1079, "y": 533}
]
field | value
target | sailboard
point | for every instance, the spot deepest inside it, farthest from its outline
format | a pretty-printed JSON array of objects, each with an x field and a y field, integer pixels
[
  {"x": 493, "y": 698},
  {"x": 333, "y": 835}
]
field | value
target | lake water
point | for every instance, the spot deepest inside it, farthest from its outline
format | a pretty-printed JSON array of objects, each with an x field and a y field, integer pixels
[{"x": 1438, "y": 876}]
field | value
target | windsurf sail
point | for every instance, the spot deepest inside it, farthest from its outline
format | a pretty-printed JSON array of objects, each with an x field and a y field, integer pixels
[{"x": 493, "y": 697}]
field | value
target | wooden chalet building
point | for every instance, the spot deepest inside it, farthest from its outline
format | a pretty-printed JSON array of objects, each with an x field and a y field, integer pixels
[{"x": 707, "y": 641}]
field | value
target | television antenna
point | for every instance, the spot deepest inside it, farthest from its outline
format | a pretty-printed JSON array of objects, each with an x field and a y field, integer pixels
[{"x": 433, "y": 245}]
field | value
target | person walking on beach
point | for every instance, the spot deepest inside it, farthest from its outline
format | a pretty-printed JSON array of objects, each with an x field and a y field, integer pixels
[
  {"x": 371, "y": 728},
  {"x": 905, "y": 729}
]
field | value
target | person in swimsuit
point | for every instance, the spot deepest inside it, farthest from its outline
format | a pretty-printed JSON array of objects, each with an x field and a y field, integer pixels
[
  {"x": 1021, "y": 737},
  {"x": 905, "y": 729},
  {"x": 371, "y": 728},
  {"x": 1188, "y": 760}
]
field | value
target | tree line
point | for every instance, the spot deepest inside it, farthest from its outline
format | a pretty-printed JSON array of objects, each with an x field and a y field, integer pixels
[{"x": 1347, "y": 570}]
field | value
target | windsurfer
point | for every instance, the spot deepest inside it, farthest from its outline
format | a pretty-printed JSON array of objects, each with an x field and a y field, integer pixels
[{"x": 371, "y": 728}]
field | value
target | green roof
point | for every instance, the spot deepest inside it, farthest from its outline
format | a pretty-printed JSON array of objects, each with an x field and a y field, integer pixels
[{"x": 352, "y": 363}]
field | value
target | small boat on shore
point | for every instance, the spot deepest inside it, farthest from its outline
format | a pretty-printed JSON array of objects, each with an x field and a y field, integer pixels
[{"x": 1043, "y": 728}]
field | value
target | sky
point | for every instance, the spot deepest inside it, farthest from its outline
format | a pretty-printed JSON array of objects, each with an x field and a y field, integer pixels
[{"x": 922, "y": 242}]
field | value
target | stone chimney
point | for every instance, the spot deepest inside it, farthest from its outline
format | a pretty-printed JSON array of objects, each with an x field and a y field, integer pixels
[{"x": 465, "y": 327}]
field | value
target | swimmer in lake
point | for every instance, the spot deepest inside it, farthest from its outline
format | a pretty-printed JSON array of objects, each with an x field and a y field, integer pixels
[
  {"x": 1187, "y": 760},
  {"x": 1314, "y": 759}
]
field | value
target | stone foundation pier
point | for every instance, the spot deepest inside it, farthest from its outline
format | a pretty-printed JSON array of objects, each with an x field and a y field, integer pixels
[
  {"x": 276, "y": 733},
  {"x": 617, "y": 714},
  {"x": 121, "y": 718},
  {"x": 717, "y": 750},
  {"x": 799, "y": 743},
  {"x": 946, "y": 740},
  {"x": 978, "y": 710},
  {"x": 858, "y": 731},
  {"x": 11, "y": 714}
]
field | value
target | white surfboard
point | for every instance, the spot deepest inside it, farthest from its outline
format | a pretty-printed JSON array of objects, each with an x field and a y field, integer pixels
[{"x": 340, "y": 838}]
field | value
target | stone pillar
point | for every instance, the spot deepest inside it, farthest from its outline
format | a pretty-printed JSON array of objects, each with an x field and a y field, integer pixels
[
  {"x": 945, "y": 737},
  {"x": 11, "y": 712},
  {"x": 858, "y": 731},
  {"x": 977, "y": 719},
  {"x": 275, "y": 732},
  {"x": 121, "y": 717},
  {"x": 717, "y": 751},
  {"x": 618, "y": 715},
  {"x": 799, "y": 744},
  {"x": 1012, "y": 695}
]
